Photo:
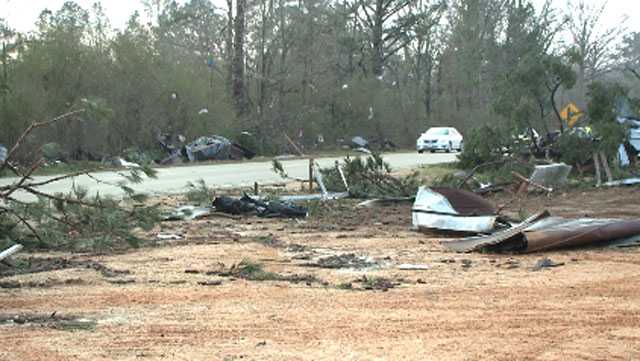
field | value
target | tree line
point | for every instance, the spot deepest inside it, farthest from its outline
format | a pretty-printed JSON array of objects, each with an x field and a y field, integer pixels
[{"x": 384, "y": 69}]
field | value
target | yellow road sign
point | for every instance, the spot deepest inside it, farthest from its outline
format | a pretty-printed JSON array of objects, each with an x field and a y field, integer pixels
[{"x": 571, "y": 114}]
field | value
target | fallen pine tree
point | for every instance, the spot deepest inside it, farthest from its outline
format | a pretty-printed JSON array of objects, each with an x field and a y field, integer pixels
[{"x": 76, "y": 220}]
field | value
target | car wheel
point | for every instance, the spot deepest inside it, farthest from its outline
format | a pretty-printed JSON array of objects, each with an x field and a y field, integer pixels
[
  {"x": 420, "y": 151},
  {"x": 449, "y": 148}
]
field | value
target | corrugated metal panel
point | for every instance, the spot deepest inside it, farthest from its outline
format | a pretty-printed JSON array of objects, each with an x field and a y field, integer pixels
[
  {"x": 563, "y": 233},
  {"x": 515, "y": 233},
  {"x": 542, "y": 233}
]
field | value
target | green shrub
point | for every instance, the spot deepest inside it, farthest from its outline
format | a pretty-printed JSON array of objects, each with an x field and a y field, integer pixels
[
  {"x": 575, "y": 148},
  {"x": 483, "y": 145}
]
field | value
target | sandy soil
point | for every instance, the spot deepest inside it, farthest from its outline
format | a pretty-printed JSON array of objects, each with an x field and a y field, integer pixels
[{"x": 463, "y": 307}]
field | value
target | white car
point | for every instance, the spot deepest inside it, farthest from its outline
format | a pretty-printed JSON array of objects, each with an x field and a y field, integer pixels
[{"x": 447, "y": 139}]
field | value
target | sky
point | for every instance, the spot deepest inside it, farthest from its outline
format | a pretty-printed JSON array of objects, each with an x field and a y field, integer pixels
[{"x": 22, "y": 14}]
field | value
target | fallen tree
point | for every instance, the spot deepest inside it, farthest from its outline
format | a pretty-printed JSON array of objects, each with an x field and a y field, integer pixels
[{"x": 77, "y": 220}]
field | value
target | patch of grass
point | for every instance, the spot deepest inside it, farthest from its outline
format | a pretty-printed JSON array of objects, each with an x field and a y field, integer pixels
[
  {"x": 58, "y": 322},
  {"x": 252, "y": 271},
  {"x": 75, "y": 325},
  {"x": 345, "y": 286},
  {"x": 269, "y": 241},
  {"x": 376, "y": 283},
  {"x": 435, "y": 171}
]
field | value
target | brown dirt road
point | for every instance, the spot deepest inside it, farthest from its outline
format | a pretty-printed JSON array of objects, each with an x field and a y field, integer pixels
[{"x": 464, "y": 307}]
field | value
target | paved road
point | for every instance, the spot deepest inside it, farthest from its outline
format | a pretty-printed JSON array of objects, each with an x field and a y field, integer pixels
[{"x": 174, "y": 180}]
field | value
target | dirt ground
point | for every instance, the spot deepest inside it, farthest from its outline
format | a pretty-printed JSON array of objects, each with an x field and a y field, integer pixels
[{"x": 329, "y": 288}]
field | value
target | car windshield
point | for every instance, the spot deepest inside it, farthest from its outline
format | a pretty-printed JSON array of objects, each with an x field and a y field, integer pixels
[{"x": 438, "y": 131}]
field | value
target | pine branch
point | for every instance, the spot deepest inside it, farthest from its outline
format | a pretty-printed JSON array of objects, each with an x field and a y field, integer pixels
[{"x": 30, "y": 129}]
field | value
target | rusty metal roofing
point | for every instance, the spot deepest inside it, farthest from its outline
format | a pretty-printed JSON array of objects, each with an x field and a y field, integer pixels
[
  {"x": 555, "y": 232},
  {"x": 513, "y": 234},
  {"x": 467, "y": 203},
  {"x": 542, "y": 233}
]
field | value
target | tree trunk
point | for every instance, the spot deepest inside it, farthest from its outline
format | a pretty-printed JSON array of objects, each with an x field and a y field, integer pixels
[
  {"x": 377, "y": 60},
  {"x": 229, "y": 46},
  {"x": 428, "y": 94},
  {"x": 239, "y": 93},
  {"x": 555, "y": 107},
  {"x": 596, "y": 162}
]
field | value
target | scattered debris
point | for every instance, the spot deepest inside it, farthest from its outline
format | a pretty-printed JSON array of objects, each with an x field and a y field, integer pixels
[
  {"x": 210, "y": 283},
  {"x": 385, "y": 202},
  {"x": 623, "y": 182},
  {"x": 118, "y": 162},
  {"x": 53, "y": 320},
  {"x": 3, "y": 153},
  {"x": 45, "y": 264},
  {"x": 347, "y": 260},
  {"x": 314, "y": 197},
  {"x": 122, "y": 281},
  {"x": 295, "y": 146},
  {"x": 231, "y": 205},
  {"x": 10, "y": 251},
  {"x": 50, "y": 282},
  {"x": 452, "y": 209},
  {"x": 542, "y": 232},
  {"x": 358, "y": 142},
  {"x": 509, "y": 264},
  {"x": 215, "y": 147},
  {"x": 318, "y": 178},
  {"x": 187, "y": 213},
  {"x": 285, "y": 157},
  {"x": 297, "y": 248},
  {"x": 251, "y": 271},
  {"x": 167, "y": 237},
  {"x": 546, "y": 263},
  {"x": 342, "y": 176},
  {"x": 526, "y": 182},
  {"x": 376, "y": 283},
  {"x": 249, "y": 205},
  {"x": 550, "y": 175},
  {"x": 362, "y": 150},
  {"x": 413, "y": 267}
]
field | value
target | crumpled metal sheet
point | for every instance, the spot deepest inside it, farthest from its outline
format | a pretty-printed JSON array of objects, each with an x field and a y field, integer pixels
[
  {"x": 550, "y": 175},
  {"x": 452, "y": 210},
  {"x": 359, "y": 142},
  {"x": 555, "y": 232},
  {"x": 514, "y": 236},
  {"x": 187, "y": 213},
  {"x": 543, "y": 233},
  {"x": 206, "y": 148}
]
